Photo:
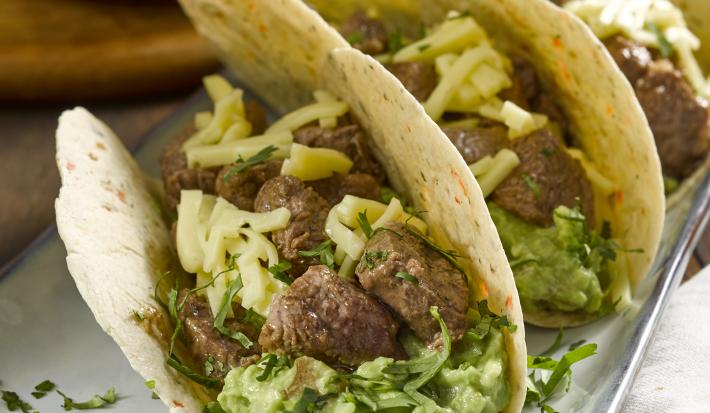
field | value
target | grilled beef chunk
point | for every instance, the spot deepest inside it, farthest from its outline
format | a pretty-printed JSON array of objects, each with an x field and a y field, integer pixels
[
  {"x": 632, "y": 57},
  {"x": 546, "y": 178},
  {"x": 333, "y": 189},
  {"x": 256, "y": 115},
  {"x": 525, "y": 86},
  {"x": 417, "y": 77},
  {"x": 177, "y": 176},
  {"x": 206, "y": 343},
  {"x": 306, "y": 228},
  {"x": 349, "y": 139},
  {"x": 678, "y": 119},
  {"x": 326, "y": 317},
  {"x": 241, "y": 188},
  {"x": 475, "y": 143},
  {"x": 364, "y": 33},
  {"x": 438, "y": 283}
]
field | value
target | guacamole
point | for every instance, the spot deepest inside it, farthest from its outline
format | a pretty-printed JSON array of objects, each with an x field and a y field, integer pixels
[
  {"x": 473, "y": 379},
  {"x": 563, "y": 267}
]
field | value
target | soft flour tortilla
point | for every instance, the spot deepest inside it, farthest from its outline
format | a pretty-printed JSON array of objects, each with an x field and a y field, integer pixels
[
  {"x": 118, "y": 246},
  {"x": 604, "y": 115}
]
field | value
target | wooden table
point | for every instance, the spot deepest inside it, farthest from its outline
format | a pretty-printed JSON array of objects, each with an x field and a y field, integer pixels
[{"x": 29, "y": 180}]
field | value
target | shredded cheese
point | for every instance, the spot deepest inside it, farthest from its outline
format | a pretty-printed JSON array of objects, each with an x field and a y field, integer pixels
[
  {"x": 491, "y": 171},
  {"x": 309, "y": 164}
]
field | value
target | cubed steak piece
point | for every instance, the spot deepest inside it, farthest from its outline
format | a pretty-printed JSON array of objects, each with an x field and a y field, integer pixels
[
  {"x": 210, "y": 347},
  {"x": 546, "y": 178},
  {"x": 475, "y": 143},
  {"x": 632, "y": 57},
  {"x": 348, "y": 139},
  {"x": 418, "y": 78},
  {"x": 306, "y": 227},
  {"x": 331, "y": 319},
  {"x": 405, "y": 273},
  {"x": 335, "y": 188},
  {"x": 241, "y": 188},
  {"x": 365, "y": 33},
  {"x": 678, "y": 119}
]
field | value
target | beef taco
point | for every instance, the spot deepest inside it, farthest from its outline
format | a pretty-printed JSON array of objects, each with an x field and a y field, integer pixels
[
  {"x": 653, "y": 47},
  {"x": 549, "y": 128},
  {"x": 339, "y": 259}
]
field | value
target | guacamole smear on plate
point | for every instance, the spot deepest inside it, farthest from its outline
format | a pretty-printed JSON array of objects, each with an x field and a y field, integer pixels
[
  {"x": 471, "y": 376},
  {"x": 563, "y": 267}
]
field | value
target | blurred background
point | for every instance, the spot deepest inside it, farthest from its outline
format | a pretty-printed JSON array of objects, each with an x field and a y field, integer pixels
[{"x": 132, "y": 63}]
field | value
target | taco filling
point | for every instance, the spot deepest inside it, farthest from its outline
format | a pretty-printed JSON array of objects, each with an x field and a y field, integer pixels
[
  {"x": 307, "y": 284},
  {"x": 550, "y": 203},
  {"x": 653, "y": 47}
]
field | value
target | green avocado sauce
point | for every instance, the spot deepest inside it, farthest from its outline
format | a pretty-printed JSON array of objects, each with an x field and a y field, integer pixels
[
  {"x": 563, "y": 267},
  {"x": 473, "y": 379}
]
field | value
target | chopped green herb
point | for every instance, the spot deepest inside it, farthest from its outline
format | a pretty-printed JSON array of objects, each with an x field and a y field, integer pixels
[
  {"x": 231, "y": 266},
  {"x": 213, "y": 407},
  {"x": 151, "y": 385},
  {"x": 209, "y": 366},
  {"x": 323, "y": 251},
  {"x": 664, "y": 45},
  {"x": 488, "y": 320},
  {"x": 555, "y": 345},
  {"x": 42, "y": 389},
  {"x": 394, "y": 41},
  {"x": 232, "y": 289},
  {"x": 94, "y": 403},
  {"x": 14, "y": 402},
  {"x": 450, "y": 255},
  {"x": 546, "y": 408},
  {"x": 173, "y": 311},
  {"x": 407, "y": 277},
  {"x": 272, "y": 363},
  {"x": 371, "y": 256},
  {"x": 279, "y": 272},
  {"x": 310, "y": 401},
  {"x": 243, "y": 165},
  {"x": 354, "y": 38},
  {"x": 530, "y": 182},
  {"x": 253, "y": 318},
  {"x": 608, "y": 307},
  {"x": 669, "y": 184},
  {"x": 539, "y": 390},
  {"x": 547, "y": 152},
  {"x": 364, "y": 224},
  {"x": 198, "y": 378},
  {"x": 576, "y": 344},
  {"x": 138, "y": 315}
]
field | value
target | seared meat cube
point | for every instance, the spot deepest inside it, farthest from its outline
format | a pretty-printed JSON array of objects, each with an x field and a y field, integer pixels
[
  {"x": 418, "y": 78},
  {"x": 177, "y": 176},
  {"x": 546, "y": 178},
  {"x": 256, "y": 115},
  {"x": 306, "y": 228},
  {"x": 632, "y": 57},
  {"x": 525, "y": 84},
  {"x": 207, "y": 344},
  {"x": 364, "y": 33},
  {"x": 349, "y": 139},
  {"x": 329, "y": 318},
  {"x": 438, "y": 282},
  {"x": 241, "y": 188},
  {"x": 475, "y": 143},
  {"x": 678, "y": 119},
  {"x": 333, "y": 189}
]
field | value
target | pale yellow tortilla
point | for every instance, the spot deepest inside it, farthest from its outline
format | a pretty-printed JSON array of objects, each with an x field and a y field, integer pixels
[{"x": 604, "y": 115}]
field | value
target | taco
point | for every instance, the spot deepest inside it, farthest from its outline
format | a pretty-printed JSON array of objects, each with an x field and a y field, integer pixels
[
  {"x": 549, "y": 128},
  {"x": 653, "y": 47},
  {"x": 280, "y": 269}
]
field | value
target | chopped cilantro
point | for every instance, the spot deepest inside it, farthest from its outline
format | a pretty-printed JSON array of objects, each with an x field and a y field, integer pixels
[
  {"x": 271, "y": 363},
  {"x": 354, "y": 38},
  {"x": 530, "y": 182},
  {"x": 198, "y": 378},
  {"x": 323, "y": 251},
  {"x": 310, "y": 402},
  {"x": 43, "y": 388},
  {"x": 14, "y": 402},
  {"x": 243, "y": 165},
  {"x": 394, "y": 41},
  {"x": 407, "y": 277},
  {"x": 488, "y": 320},
  {"x": 364, "y": 224},
  {"x": 94, "y": 403},
  {"x": 213, "y": 407},
  {"x": 151, "y": 385},
  {"x": 665, "y": 47},
  {"x": 279, "y": 272},
  {"x": 450, "y": 255},
  {"x": 371, "y": 256},
  {"x": 232, "y": 289},
  {"x": 669, "y": 184},
  {"x": 138, "y": 315},
  {"x": 253, "y": 318},
  {"x": 576, "y": 344},
  {"x": 555, "y": 345}
]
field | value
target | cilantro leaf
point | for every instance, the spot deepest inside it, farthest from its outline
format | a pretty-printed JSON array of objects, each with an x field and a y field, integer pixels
[
  {"x": 364, "y": 224},
  {"x": 94, "y": 403},
  {"x": 198, "y": 378},
  {"x": 664, "y": 45},
  {"x": 271, "y": 363},
  {"x": 407, "y": 277},
  {"x": 232, "y": 289},
  {"x": 279, "y": 272},
  {"x": 354, "y": 38},
  {"x": 450, "y": 255},
  {"x": 151, "y": 385},
  {"x": 371, "y": 256},
  {"x": 534, "y": 187},
  {"x": 563, "y": 366},
  {"x": 242, "y": 165},
  {"x": 213, "y": 407},
  {"x": 323, "y": 251},
  {"x": 14, "y": 402},
  {"x": 253, "y": 318},
  {"x": 42, "y": 389},
  {"x": 555, "y": 345},
  {"x": 394, "y": 41}
]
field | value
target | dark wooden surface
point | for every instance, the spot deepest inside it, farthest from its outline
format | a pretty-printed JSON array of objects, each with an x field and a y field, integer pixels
[{"x": 29, "y": 180}]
